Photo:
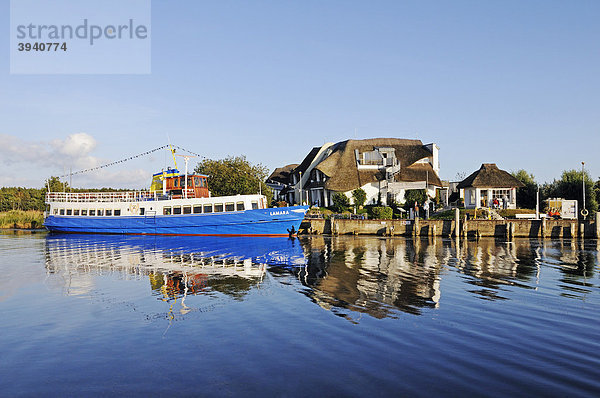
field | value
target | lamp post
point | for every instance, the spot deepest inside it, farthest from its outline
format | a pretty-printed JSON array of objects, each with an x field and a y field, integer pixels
[{"x": 583, "y": 211}]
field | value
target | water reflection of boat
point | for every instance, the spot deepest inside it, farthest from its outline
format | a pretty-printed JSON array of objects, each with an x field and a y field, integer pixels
[{"x": 174, "y": 265}]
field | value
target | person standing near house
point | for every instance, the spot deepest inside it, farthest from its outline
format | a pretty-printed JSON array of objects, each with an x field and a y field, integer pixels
[
  {"x": 504, "y": 202},
  {"x": 416, "y": 210},
  {"x": 426, "y": 207}
]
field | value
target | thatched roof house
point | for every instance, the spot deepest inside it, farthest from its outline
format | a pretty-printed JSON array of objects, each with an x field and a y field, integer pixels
[
  {"x": 489, "y": 183},
  {"x": 490, "y": 176},
  {"x": 345, "y": 174},
  {"x": 383, "y": 167}
]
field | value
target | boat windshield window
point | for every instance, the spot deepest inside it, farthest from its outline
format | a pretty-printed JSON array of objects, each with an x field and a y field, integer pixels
[
  {"x": 166, "y": 211},
  {"x": 218, "y": 207},
  {"x": 208, "y": 208},
  {"x": 229, "y": 207},
  {"x": 240, "y": 206},
  {"x": 196, "y": 181}
]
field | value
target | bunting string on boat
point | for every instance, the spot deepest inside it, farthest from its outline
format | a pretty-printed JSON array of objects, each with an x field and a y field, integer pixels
[{"x": 130, "y": 158}]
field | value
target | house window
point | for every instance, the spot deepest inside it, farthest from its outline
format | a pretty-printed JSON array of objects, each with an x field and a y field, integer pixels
[
  {"x": 176, "y": 209},
  {"x": 218, "y": 207},
  {"x": 166, "y": 211},
  {"x": 229, "y": 206},
  {"x": 208, "y": 208},
  {"x": 197, "y": 209},
  {"x": 187, "y": 209},
  {"x": 499, "y": 193},
  {"x": 240, "y": 206}
]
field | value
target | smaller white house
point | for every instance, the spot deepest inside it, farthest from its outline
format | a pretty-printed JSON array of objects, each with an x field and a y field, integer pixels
[{"x": 487, "y": 184}]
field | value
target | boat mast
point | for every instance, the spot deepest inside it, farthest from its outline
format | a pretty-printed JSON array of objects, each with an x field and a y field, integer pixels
[{"x": 186, "y": 158}]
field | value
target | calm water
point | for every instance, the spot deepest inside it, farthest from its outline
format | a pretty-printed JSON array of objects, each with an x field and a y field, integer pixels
[{"x": 319, "y": 316}]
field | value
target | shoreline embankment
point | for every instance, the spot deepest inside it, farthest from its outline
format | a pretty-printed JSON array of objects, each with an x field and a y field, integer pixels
[{"x": 507, "y": 229}]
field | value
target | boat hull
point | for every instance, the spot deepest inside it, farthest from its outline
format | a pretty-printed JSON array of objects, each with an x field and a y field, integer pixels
[{"x": 260, "y": 222}]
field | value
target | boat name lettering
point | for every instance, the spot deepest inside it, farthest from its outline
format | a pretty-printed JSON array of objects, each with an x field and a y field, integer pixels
[{"x": 276, "y": 213}]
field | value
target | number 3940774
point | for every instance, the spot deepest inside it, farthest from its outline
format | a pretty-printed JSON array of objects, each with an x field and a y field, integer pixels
[{"x": 42, "y": 46}]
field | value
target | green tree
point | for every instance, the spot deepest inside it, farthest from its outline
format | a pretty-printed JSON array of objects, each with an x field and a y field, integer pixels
[
  {"x": 233, "y": 176},
  {"x": 527, "y": 195},
  {"x": 340, "y": 202},
  {"x": 570, "y": 186},
  {"x": 360, "y": 196},
  {"x": 414, "y": 195},
  {"x": 56, "y": 185}
]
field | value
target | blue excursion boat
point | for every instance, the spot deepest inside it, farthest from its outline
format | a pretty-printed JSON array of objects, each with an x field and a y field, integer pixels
[{"x": 175, "y": 205}]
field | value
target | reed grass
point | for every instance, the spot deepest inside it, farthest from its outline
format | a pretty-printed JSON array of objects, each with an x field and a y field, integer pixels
[{"x": 30, "y": 219}]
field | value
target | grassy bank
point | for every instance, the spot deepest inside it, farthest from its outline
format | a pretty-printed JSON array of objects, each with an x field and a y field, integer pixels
[{"x": 21, "y": 219}]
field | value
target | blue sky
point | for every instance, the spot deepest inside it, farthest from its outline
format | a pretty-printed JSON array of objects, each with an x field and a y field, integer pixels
[{"x": 513, "y": 82}]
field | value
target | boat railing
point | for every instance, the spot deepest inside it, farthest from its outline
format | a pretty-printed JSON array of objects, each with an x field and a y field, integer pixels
[{"x": 133, "y": 196}]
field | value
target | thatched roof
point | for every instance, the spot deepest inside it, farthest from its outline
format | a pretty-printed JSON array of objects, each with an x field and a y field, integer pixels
[
  {"x": 307, "y": 160},
  {"x": 419, "y": 172},
  {"x": 344, "y": 175},
  {"x": 282, "y": 174},
  {"x": 490, "y": 176}
]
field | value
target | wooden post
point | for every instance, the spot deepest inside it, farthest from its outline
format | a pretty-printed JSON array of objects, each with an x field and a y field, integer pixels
[
  {"x": 543, "y": 227},
  {"x": 581, "y": 230},
  {"x": 416, "y": 225},
  {"x": 456, "y": 221}
]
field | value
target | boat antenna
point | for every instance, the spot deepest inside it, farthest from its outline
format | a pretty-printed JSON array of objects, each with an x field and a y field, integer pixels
[{"x": 172, "y": 151}]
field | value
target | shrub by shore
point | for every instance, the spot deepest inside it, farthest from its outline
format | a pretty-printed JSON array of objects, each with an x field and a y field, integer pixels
[{"x": 30, "y": 219}]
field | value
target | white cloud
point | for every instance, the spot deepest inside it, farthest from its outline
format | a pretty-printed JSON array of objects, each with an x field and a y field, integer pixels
[
  {"x": 70, "y": 152},
  {"x": 29, "y": 163}
]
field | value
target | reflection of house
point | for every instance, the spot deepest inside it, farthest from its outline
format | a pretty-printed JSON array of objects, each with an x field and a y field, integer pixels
[
  {"x": 385, "y": 168},
  {"x": 489, "y": 183},
  {"x": 279, "y": 181}
]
